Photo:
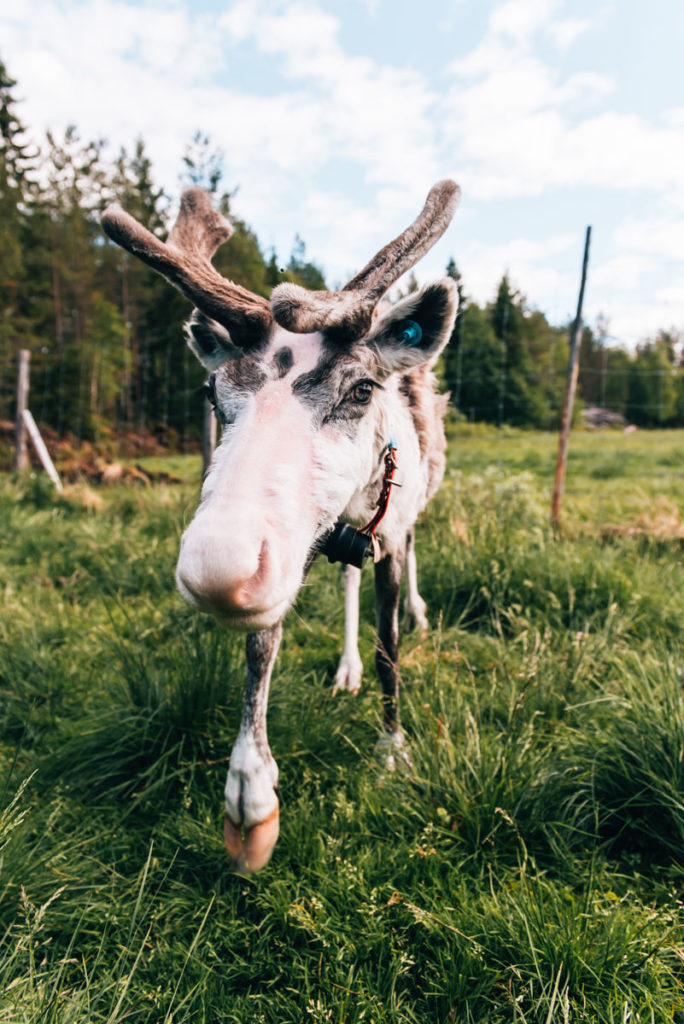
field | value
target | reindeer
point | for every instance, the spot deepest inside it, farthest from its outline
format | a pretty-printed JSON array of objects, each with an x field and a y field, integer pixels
[{"x": 320, "y": 399}]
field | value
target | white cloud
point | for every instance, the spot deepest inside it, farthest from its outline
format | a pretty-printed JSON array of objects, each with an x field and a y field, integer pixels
[
  {"x": 565, "y": 32},
  {"x": 372, "y": 114},
  {"x": 659, "y": 236},
  {"x": 510, "y": 124},
  {"x": 642, "y": 319},
  {"x": 123, "y": 70},
  {"x": 673, "y": 294},
  {"x": 534, "y": 269},
  {"x": 519, "y": 19},
  {"x": 515, "y": 118},
  {"x": 621, "y": 273}
]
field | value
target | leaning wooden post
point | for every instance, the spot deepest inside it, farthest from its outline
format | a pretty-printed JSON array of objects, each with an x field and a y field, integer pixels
[
  {"x": 208, "y": 436},
  {"x": 21, "y": 442},
  {"x": 41, "y": 450},
  {"x": 570, "y": 388}
]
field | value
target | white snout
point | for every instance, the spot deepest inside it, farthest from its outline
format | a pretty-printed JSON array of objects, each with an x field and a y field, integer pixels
[
  {"x": 243, "y": 556},
  {"x": 240, "y": 575}
]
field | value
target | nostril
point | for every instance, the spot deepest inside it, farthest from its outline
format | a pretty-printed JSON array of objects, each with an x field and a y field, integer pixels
[
  {"x": 235, "y": 585},
  {"x": 251, "y": 589},
  {"x": 238, "y": 596}
]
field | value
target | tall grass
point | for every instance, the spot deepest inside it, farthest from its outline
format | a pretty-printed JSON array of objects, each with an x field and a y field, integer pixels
[{"x": 527, "y": 868}]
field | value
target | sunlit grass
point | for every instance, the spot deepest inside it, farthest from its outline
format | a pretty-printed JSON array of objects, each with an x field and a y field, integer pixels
[{"x": 527, "y": 868}]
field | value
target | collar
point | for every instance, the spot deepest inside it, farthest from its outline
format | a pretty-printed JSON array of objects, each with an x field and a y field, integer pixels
[{"x": 350, "y": 546}]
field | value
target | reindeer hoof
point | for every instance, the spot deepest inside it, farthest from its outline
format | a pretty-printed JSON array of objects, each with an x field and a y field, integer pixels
[
  {"x": 348, "y": 677},
  {"x": 415, "y": 617},
  {"x": 232, "y": 837},
  {"x": 392, "y": 752},
  {"x": 253, "y": 851}
]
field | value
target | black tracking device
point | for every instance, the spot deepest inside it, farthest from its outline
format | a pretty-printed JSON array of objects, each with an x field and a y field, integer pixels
[{"x": 346, "y": 544}]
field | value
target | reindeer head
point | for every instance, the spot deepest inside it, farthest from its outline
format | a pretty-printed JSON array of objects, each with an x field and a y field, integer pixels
[{"x": 307, "y": 390}]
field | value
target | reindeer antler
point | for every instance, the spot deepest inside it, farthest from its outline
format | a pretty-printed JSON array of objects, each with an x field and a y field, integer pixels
[
  {"x": 350, "y": 311},
  {"x": 185, "y": 260}
]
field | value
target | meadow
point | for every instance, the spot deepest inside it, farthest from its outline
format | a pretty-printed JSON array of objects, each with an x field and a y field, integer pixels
[{"x": 527, "y": 868}]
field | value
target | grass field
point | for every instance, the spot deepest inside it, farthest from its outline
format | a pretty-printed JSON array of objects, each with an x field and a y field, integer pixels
[{"x": 528, "y": 868}]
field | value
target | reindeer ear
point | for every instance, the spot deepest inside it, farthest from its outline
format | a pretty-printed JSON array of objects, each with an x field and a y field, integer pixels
[
  {"x": 209, "y": 341},
  {"x": 416, "y": 329}
]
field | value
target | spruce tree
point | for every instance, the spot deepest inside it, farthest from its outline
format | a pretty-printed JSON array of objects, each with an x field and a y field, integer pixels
[
  {"x": 522, "y": 400},
  {"x": 17, "y": 161},
  {"x": 652, "y": 389},
  {"x": 302, "y": 271},
  {"x": 452, "y": 360},
  {"x": 480, "y": 394},
  {"x": 80, "y": 329}
]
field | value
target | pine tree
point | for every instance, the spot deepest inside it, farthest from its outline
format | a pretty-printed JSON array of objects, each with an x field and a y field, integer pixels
[
  {"x": 77, "y": 324},
  {"x": 452, "y": 359},
  {"x": 480, "y": 394},
  {"x": 617, "y": 372},
  {"x": 274, "y": 273},
  {"x": 302, "y": 271},
  {"x": 523, "y": 403},
  {"x": 652, "y": 390},
  {"x": 506, "y": 316},
  {"x": 17, "y": 162},
  {"x": 240, "y": 259},
  {"x": 150, "y": 311},
  {"x": 202, "y": 164}
]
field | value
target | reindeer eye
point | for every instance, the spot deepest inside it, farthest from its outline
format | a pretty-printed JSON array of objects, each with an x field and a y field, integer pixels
[{"x": 361, "y": 392}]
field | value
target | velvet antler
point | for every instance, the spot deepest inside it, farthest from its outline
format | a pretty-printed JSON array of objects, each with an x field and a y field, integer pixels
[
  {"x": 185, "y": 260},
  {"x": 350, "y": 311}
]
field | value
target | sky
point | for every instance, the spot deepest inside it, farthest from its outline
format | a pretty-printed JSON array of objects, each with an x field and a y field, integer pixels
[{"x": 334, "y": 119}]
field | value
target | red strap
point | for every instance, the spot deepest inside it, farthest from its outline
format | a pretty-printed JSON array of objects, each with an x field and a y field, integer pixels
[{"x": 387, "y": 483}]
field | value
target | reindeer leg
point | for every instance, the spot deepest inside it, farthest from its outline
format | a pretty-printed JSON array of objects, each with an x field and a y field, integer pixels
[
  {"x": 388, "y": 573},
  {"x": 251, "y": 800},
  {"x": 348, "y": 676},
  {"x": 414, "y": 606}
]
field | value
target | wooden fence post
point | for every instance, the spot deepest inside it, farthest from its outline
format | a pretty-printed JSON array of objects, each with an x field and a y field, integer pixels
[
  {"x": 21, "y": 445},
  {"x": 570, "y": 388},
  {"x": 41, "y": 450}
]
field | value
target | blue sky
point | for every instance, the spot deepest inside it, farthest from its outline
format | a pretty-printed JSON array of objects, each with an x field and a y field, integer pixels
[{"x": 335, "y": 119}]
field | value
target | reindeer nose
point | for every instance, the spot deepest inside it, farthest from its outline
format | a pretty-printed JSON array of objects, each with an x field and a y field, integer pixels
[
  {"x": 225, "y": 578},
  {"x": 242, "y": 594}
]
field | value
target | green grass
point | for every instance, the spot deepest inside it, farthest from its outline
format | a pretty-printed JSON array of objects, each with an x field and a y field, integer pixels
[{"x": 527, "y": 868}]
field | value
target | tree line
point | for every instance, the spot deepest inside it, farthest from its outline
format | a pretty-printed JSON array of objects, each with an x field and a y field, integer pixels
[
  {"x": 509, "y": 365},
  {"x": 107, "y": 358}
]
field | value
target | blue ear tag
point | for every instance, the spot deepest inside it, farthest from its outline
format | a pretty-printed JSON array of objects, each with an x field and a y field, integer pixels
[{"x": 410, "y": 333}]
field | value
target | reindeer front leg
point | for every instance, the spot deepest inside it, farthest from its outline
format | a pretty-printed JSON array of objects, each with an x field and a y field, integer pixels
[
  {"x": 388, "y": 572},
  {"x": 251, "y": 798},
  {"x": 348, "y": 676},
  {"x": 415, "y": 609}
]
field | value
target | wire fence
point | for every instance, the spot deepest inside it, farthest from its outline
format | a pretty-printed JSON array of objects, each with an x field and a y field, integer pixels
[
  {"x": 167, "y": 413},
  {"x": 493, "y": 409}
]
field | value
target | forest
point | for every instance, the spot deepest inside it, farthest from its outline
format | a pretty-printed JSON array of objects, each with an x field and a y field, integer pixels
[{"x": 108, "y": 364}]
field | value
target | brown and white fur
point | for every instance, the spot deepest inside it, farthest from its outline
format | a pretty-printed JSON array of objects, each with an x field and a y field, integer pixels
[{"x": 309, "y": 393}]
